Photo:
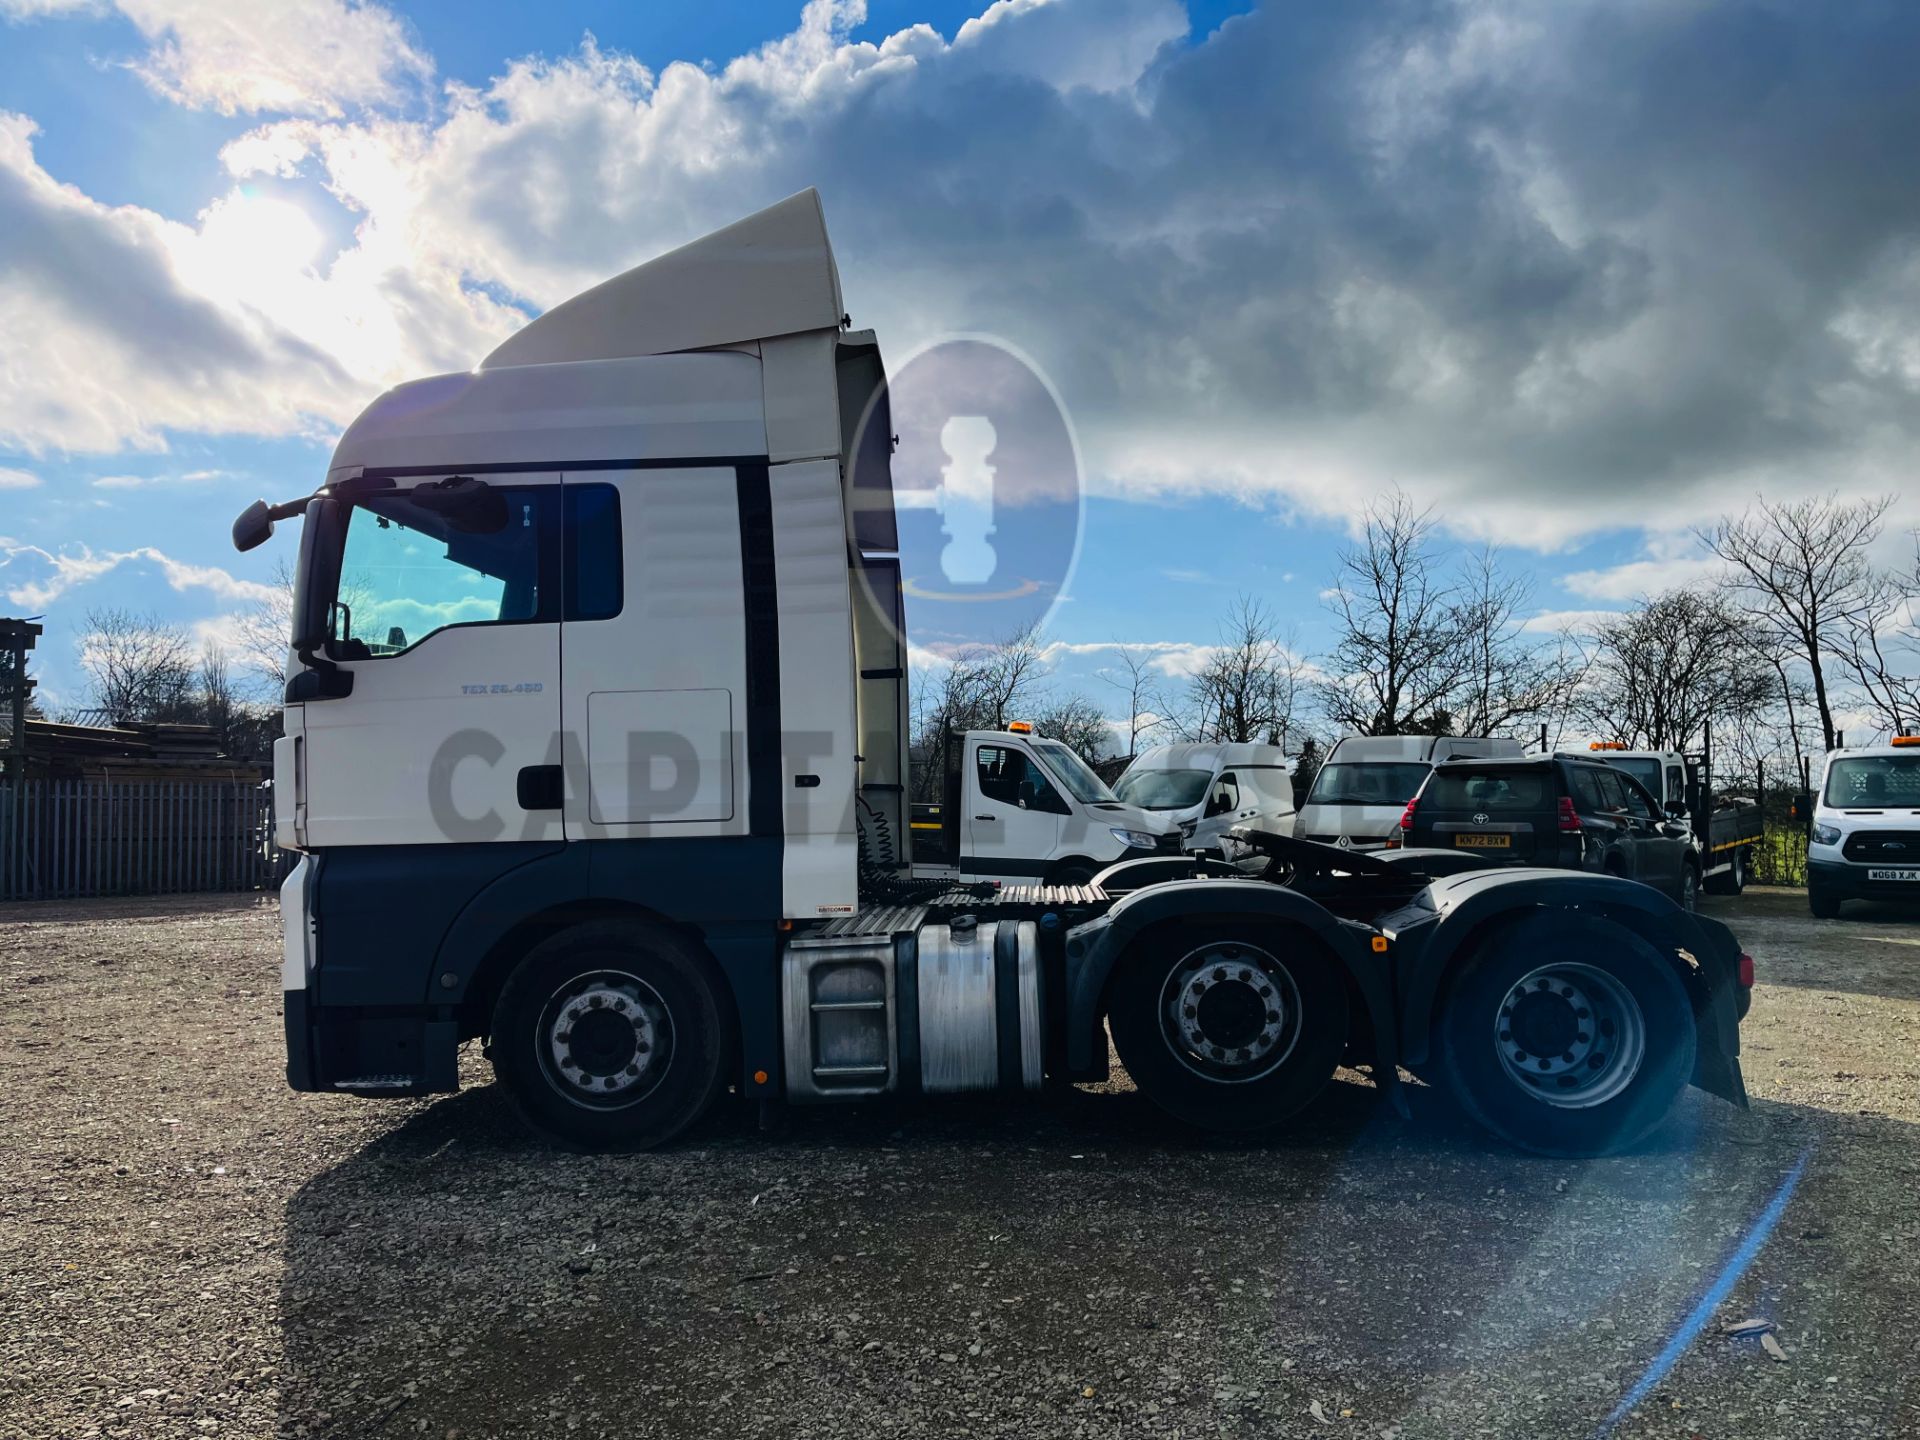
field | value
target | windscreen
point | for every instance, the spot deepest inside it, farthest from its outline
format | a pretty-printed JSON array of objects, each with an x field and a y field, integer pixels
[
  {"x": 1874, "y": 782},
  {"x": 1383, "y": 783},
  {"x": 1494, "y": 791},
  {"x": 1647, "y": 772},
  {"x": 1163, "y": 789},
  {"x": 1073, "y": 773}
]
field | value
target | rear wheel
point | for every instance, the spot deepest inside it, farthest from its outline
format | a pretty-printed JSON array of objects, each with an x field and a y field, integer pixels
[
  {"x": 1733, "y": 879},
  {"x": 1232, "y": 1031},
  {"x": 1567, "y": 1034},
  {"x": 611, "y": 1036}
]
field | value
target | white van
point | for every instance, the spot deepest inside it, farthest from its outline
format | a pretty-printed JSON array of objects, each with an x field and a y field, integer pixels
[
  {"x": 1207, "y": 789},
  {"x": 1865, "y": 840},
  {"x": 1362, "y": 790}
]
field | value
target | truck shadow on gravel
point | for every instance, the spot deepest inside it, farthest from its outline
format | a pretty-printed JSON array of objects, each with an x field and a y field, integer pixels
[{"x": 1072, "y": 1266}]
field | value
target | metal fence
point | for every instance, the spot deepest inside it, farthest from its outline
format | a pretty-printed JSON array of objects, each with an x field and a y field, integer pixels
[{"x": 61, "y": 839}]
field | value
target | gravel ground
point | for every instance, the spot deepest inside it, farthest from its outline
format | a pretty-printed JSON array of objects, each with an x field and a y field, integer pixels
[{"x": 188, "y": 1249}]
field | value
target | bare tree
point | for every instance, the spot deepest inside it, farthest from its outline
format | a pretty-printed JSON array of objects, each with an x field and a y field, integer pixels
[
  {"x": 1803, "y": 573},
  {"x": 1398, "y": 659},
  {"x": 265, "y": 632},
  {"x": 1880, "y": 649},
  {"x": 1663, "y": 671},
  {"x": 1077, "y": 723},
  {"x": 219, "y": 699},
  {"x": 138, "y": 666},
  {"x": 1506, "y": 676},
  {"x": 1139, "y": 685},
  {"x": 1250, "y": 687}
]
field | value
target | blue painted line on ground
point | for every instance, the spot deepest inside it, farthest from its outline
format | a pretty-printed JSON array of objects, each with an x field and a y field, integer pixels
[{"x": 1737, "y": 1264}]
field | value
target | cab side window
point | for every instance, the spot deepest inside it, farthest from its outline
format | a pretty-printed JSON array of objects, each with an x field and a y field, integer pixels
[
  {"x": 1008, "y": 777},
  {"x": 1225, "y": 798},
  {"x": 1676, "y": 783}
]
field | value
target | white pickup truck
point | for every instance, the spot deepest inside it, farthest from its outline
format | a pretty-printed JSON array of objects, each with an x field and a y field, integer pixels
[
  {"x": 1017, "y": 805},
  {"x": 1725, "y": 827}
]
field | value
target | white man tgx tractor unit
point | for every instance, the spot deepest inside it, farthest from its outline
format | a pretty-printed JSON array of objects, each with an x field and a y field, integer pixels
[{"x": 595, "y": 751}]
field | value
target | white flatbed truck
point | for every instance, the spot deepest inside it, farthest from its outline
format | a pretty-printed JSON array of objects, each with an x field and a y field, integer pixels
[{"x": 598, "y": 679}]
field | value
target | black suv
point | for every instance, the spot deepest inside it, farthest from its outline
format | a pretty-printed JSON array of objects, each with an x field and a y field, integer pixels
[{"x": 1555, "y": 810}]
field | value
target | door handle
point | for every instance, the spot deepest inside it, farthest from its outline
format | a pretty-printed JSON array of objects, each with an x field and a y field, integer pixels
[
  {"x": 540, "y": 787},
  {"x": 987, "y": 817}
]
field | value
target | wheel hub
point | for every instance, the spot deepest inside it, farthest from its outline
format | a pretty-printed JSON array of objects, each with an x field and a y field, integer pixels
[
  {"x": 1231, "y": 1012},
  {"x": 1570, "y": 1033},
  {"x": 606, "y": 1037}
]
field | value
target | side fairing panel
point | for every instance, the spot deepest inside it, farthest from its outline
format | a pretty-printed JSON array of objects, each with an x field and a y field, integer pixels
[{"x": 816, "y": 689}]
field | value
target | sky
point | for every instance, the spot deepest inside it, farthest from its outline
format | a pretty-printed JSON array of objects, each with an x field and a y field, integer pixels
[{"x": 1581, "y": 277}]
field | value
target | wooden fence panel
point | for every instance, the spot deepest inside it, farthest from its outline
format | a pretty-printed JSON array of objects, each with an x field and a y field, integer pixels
[{"x": 69, "y": 839}]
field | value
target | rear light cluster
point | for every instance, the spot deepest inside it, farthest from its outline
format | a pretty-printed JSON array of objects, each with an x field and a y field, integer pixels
[
  {"x": 1569, "y": 817},
  {"x": 1394, "y": 842},
  {"x": 1746, "y": 971}
]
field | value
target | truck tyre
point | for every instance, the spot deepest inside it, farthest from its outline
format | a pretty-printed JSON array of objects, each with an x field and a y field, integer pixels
[
  {"x": 1566, "y": 1034},
  {"x": 1233, "y": 1029},
  {"x": 611, "y": 1035},
  {"x": 1733, "y": 879},
  {"x": 1825, "y": 906}
]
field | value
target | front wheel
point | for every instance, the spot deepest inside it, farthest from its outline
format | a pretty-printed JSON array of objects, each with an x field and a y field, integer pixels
[
  {"x": 1567, "y": 1034},
  {"x": 1232, "y": 1031},
  {"x": 1823, "y": 905},
  {"x": 611, "y": 1036}
]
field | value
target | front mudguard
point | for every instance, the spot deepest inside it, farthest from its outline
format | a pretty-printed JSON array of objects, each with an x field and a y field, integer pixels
[{"x": 1094, "y": 950}]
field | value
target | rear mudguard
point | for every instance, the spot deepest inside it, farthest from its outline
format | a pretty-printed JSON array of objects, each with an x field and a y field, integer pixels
[
  {"x": 1455, "y": 912},
  {"x": 1095, "y": 948}
]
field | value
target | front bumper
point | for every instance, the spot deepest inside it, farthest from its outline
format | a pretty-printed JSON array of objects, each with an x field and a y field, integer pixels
[{"x": 1846, "y": 880}]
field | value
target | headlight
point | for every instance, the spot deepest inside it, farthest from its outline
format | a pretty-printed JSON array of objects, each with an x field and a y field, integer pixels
[
  {"x": 1826, "y": 835},
  {"x": 1139, "y": 839}
]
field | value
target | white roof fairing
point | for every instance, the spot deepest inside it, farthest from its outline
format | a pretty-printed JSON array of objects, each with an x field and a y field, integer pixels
[
  {"x": 772, "y": 273},
  {"x": 608, "y": 375}
]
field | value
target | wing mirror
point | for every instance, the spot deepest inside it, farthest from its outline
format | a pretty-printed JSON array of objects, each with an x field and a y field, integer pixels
[{"x": 1678, "y": 810}]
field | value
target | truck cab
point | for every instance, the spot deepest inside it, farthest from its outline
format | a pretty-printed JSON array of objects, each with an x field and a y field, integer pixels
[
  {"x": 1016, "y": 805},
  {"x": 1207, "y": 789},
  {"x": 1360, "y": 793},
  {"x": 1864, "y": 843},
  {"x": 1726, "y": 828}
]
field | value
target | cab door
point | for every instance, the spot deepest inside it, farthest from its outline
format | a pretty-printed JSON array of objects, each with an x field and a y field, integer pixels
[
  {"x": 1225, "y": 808},
  {"x": 447, "y": 620},
  {"x": 1013, "y": 812}
]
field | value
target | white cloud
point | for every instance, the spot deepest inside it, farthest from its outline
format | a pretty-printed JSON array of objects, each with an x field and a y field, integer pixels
[
  {"x": 59, "y": 572},
  {"x": 12, "y": 479},
  {"x": 1480, "y": 252},
  {"x": 118, "y": 326},
  {"x": 39, "y": 9},
  {"x": 148, "y": 482},
  {"x": 245, "y": 56}
]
